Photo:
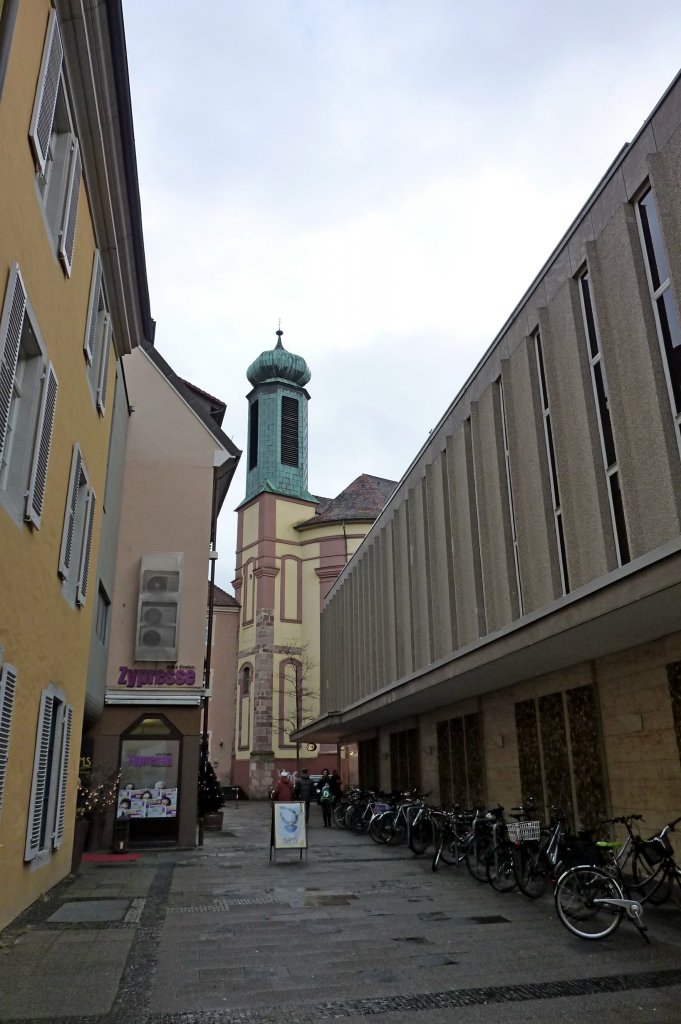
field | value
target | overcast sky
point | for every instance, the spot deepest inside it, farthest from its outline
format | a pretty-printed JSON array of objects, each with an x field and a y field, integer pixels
[{"x": 385, "y": 176}]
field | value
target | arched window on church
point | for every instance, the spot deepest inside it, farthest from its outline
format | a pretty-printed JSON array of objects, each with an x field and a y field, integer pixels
[{"x": 245, "y": 680}]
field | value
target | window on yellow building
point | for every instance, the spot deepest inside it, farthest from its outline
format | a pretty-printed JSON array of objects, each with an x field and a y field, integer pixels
[
  {"x": 28, "y": 397},
  {"x": 8, "y": 685},
  {"x": 55, "y": 148},
  {"x": 76, "y": 544},
  {"x": 97, "y": 342},
  {"x": 47, "y": 804}
]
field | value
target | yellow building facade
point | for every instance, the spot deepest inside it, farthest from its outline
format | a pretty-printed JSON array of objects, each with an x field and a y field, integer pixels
[{"x": 72, "y": 302}]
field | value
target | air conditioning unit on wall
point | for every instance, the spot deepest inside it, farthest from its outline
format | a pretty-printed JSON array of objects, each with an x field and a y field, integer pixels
[{"x": 158, "y": 607}]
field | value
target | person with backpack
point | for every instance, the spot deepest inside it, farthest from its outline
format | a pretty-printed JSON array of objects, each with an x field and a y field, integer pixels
[
  {"x": 325, "y": 790},
  {"x": 306, "y": 791}
]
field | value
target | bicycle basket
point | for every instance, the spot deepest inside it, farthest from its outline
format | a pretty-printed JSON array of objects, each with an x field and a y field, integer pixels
[
  {"x": 521, "y": 831},
  {"x": 655, "y": 849}
]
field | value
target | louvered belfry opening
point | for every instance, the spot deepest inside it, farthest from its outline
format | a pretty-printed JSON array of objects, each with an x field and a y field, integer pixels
[
  {"x": 253, "y": 436},
  {"x": 289, "y": 431}
]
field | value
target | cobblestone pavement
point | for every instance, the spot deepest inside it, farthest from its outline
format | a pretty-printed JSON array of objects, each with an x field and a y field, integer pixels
[{"x": 220, "y": 935}]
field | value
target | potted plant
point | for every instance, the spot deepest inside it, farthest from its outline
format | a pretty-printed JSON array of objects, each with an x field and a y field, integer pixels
[
  {"x": 210, "y": 796},
  {"x": 95, "y": 795}
]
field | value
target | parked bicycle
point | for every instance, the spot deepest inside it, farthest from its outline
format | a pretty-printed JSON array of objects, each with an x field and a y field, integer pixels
[{"x": 592, "y": 901}]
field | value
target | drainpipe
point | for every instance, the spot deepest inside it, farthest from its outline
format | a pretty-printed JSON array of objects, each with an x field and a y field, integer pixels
[{"x": 213, "y": 557}]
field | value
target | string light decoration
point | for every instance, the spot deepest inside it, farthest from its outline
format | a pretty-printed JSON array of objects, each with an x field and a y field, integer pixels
[
  {"x": 95, "y": 797},
  {"x": 210, "y": 794}
]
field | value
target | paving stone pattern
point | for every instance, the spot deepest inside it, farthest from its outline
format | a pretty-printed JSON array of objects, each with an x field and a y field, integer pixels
[{"x": 219, "y": 935}]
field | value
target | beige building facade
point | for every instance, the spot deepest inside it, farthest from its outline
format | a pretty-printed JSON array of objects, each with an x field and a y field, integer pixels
[
  {"x": 179, "y": 465},
  {"x": 223, "y": 672},
  {"x": 510, "y": 626}
]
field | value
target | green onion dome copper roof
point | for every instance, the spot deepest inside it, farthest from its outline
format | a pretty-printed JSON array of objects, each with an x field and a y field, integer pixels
[{"x": 278, "y": 364}]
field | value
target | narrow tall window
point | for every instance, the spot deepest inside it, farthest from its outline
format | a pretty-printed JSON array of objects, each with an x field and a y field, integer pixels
[
  {"x": 47, "y": 803},
  {"x": 666, "y": 316},
  {"x": 253, "y": 435},
  {"x": 97, "y": 343},
  {"x": 289, "y": 431},
  {"x": 551, "y": 456},
  {"x": 55, "y": 147},
  {"x": 28, "y": 395},
  {"x": 509, "y": 485},
  {"x": 608, "y": 450}
]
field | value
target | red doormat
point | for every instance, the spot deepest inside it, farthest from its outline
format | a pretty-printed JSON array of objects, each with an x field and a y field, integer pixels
[{"x": 111, "y": 858}]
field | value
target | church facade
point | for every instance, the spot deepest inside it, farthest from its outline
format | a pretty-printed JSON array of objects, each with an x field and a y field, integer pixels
[{"x": 291, "y": 546}]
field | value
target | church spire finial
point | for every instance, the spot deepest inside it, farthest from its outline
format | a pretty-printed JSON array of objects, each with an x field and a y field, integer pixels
[{"x": 279, "y": 333}]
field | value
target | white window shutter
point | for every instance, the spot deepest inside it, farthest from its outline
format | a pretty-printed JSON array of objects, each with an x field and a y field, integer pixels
[
  {"x": 41, "y": 453},
  {"x": 11, "y": 327},
  {"x": 90, "y": 344},
  {"x": 40, "y": 131},
  {"x": 8, "y": 685},
  {"x": 67, "y": 235},
  {"x": 66, "y": 551},
  {"x": 104, "y": 365},
  {"x": 84, "y": 568},
  {"x": 39, "y": 782},
  {"x": 63, "y": 779}
]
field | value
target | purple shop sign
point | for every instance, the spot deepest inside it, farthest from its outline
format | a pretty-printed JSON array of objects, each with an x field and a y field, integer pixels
[
  {"x": 138, "y": 677},
  {"x": 155, "y": 760}
]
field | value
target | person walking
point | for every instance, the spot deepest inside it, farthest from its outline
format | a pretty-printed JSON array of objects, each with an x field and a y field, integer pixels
[
  {"x": 324, "y": 787},
  {"x": 283, "y": 788},
  {"x": 306, "y": 791},
  {"x": 336, "y": 788}
]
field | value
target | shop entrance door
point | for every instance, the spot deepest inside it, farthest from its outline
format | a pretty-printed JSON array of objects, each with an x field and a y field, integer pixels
[{"x": 149, "y": 796}]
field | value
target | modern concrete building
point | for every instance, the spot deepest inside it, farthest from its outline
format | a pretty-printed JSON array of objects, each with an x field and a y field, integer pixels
[
  {"x": 511, "y": 625},
  {"x": 179, "y": 465},
  {"x": 291, "y": 545},
  {"x": 73, "y": 301}
]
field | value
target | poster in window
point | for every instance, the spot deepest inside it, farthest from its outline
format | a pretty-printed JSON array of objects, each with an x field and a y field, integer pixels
[{"x": 148, "y": 779}]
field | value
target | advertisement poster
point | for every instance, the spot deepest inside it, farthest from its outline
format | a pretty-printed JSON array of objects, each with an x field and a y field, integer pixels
[
  {"x": 149, "y": 775},
  {"x": 147, "y": 803},
  {"x": 289, "y": 826}
]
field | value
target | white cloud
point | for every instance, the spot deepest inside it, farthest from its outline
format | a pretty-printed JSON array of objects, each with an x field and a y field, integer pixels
[{"x": 387, "y": 177}]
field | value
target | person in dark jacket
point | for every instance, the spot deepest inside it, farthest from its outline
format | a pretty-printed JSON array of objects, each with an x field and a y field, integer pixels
[
  {"x": 325, "y": 790},
  {"x": 306, "y": 791}
]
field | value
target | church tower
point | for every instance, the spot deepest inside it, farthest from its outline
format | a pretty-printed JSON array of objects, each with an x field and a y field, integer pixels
[
  {"x": 277, "y": 424},
  {"x": 291, "y": 546}
]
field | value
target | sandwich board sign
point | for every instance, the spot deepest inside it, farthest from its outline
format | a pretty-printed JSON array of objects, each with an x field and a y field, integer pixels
[{"x": 288, "y": 827}]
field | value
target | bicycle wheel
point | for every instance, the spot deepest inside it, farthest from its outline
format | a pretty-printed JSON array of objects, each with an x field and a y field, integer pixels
[
  {"x": 376, "y": 828},
  {"x": 420, "y": 837},
  {"x": 338, "y": 815},
  {"x": 452, "y": 846},
  {"x": 577, "y": 897},
  {"x": 476, "y": 857},
  {"x": 499, "y": 867},
  {"x": 532, "y": 871},
  {"x": 394, "y": 829},
  {"x": 351, "y": 813},
  {"x": 360, "y": 822}
]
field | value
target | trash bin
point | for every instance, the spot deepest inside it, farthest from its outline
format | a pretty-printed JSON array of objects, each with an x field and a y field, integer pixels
[{"x": 121, "y": 835}]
